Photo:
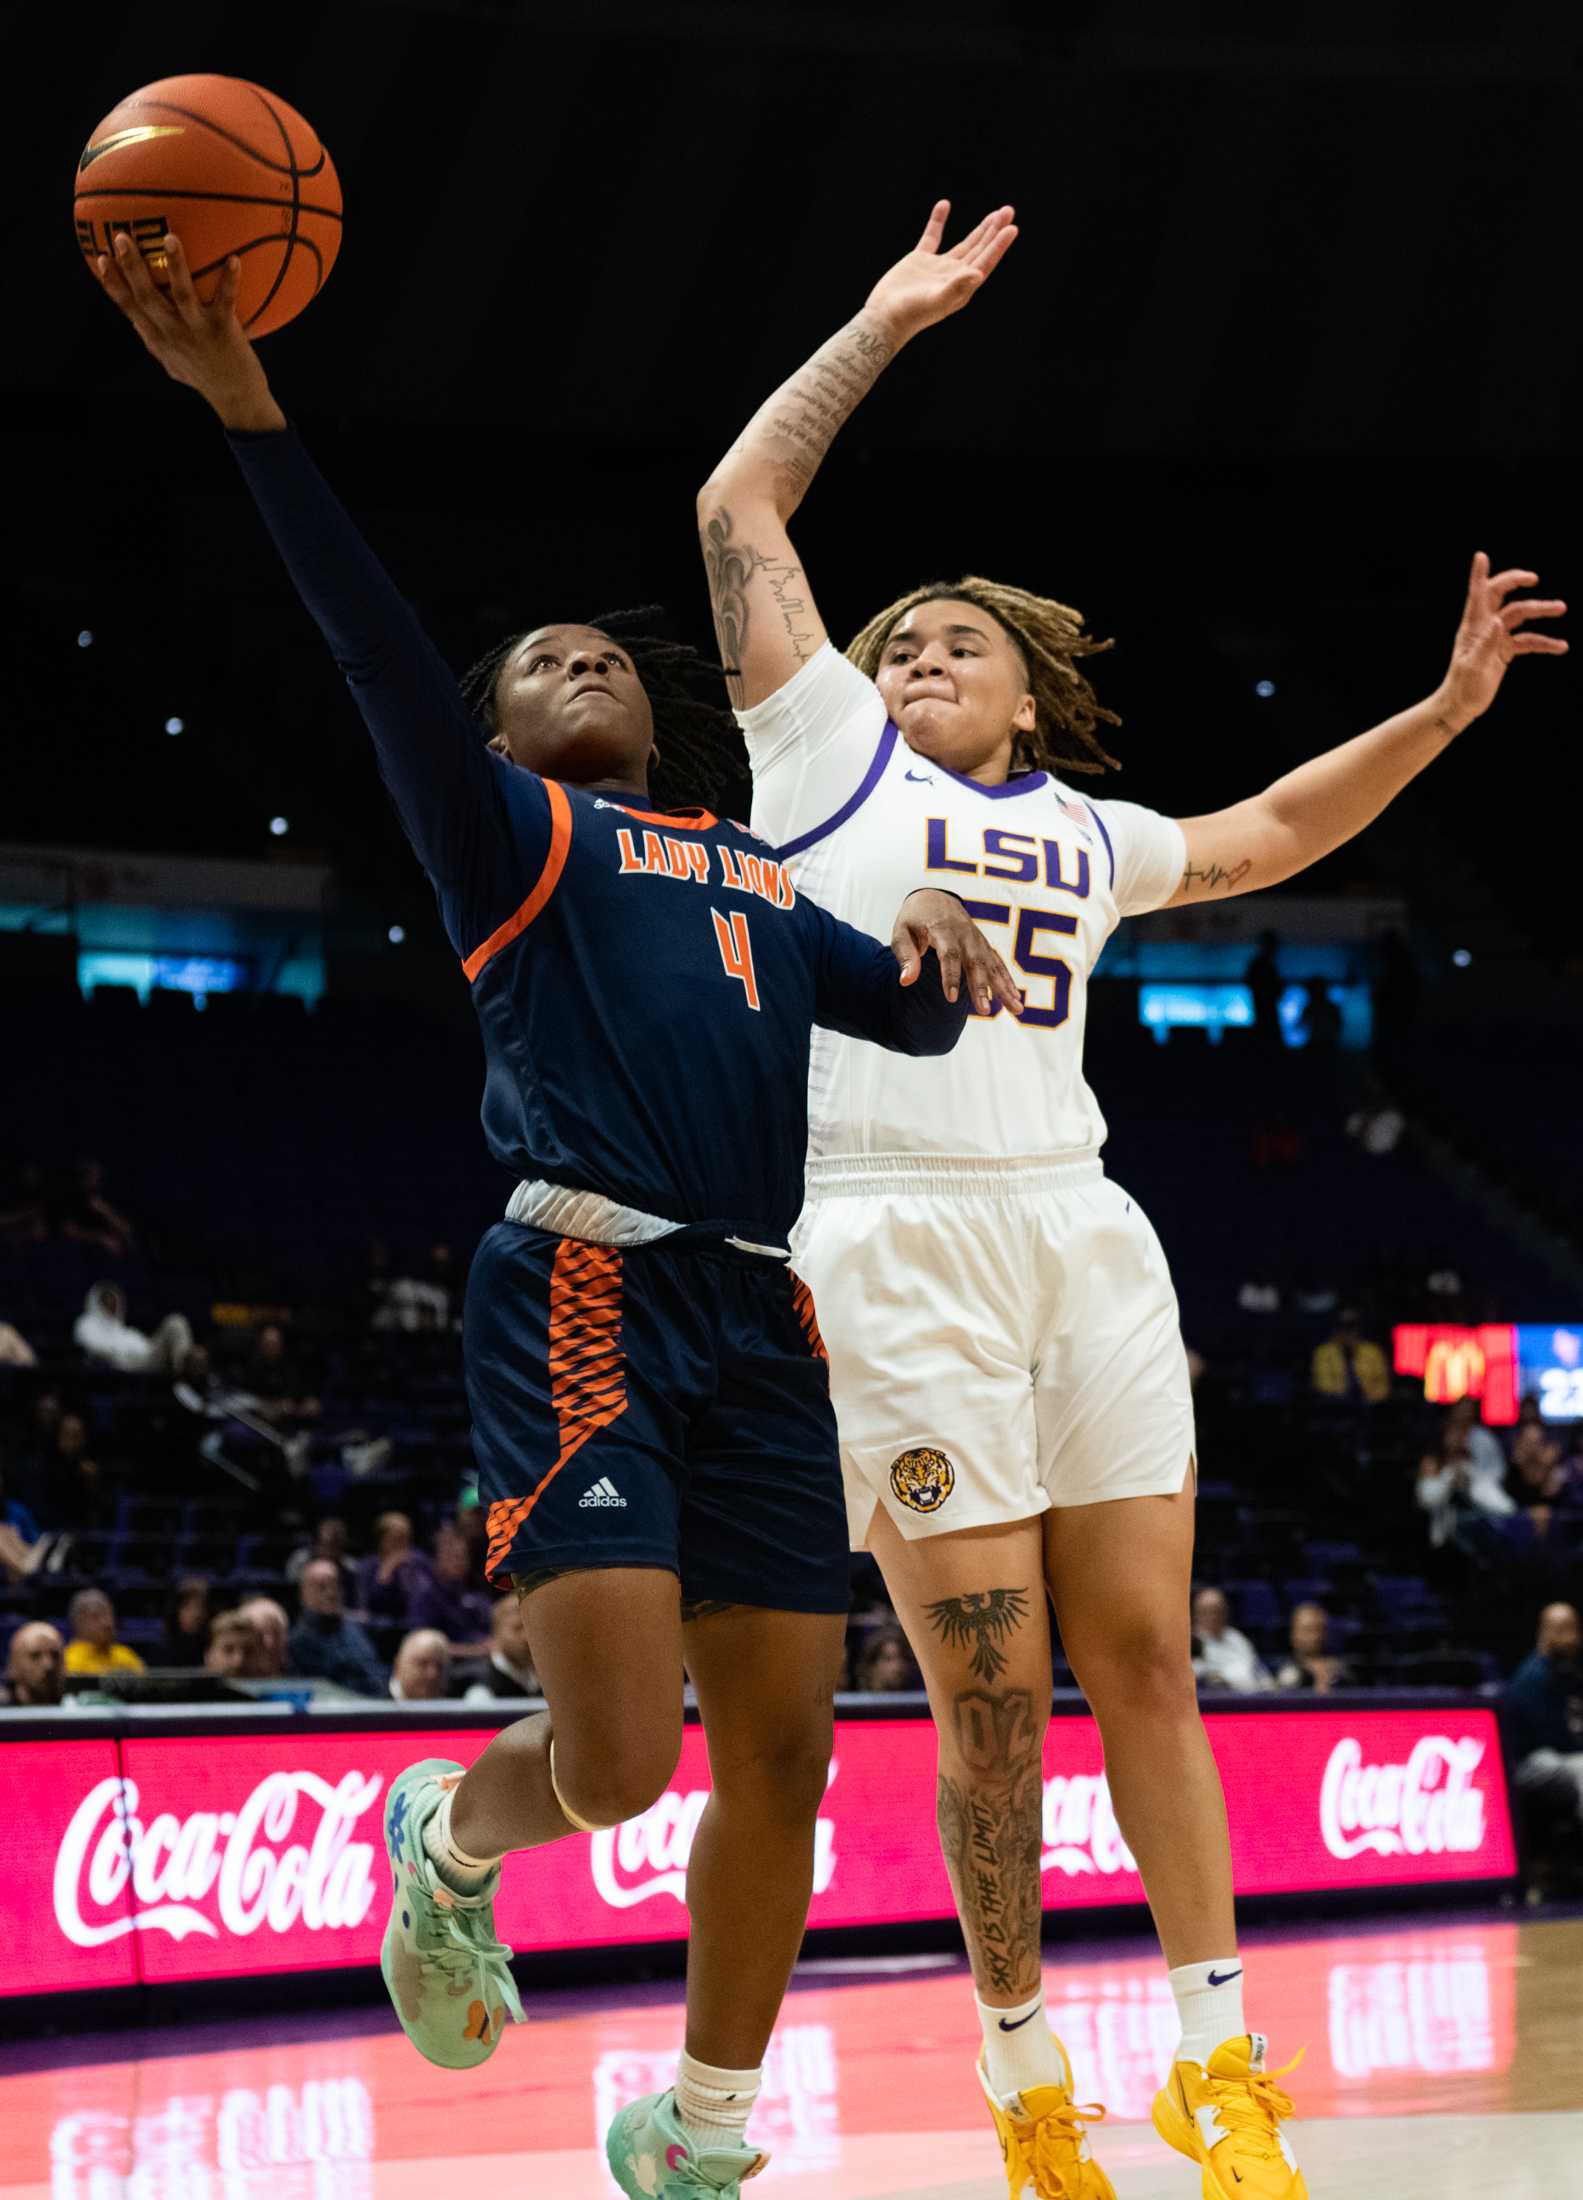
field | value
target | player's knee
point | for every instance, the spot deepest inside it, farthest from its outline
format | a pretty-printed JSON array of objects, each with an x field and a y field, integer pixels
[
  {"x": 785, "y": 1777},
  {"x": 606, "y": 1787},
  {"x": 1144, "y": 1671}
]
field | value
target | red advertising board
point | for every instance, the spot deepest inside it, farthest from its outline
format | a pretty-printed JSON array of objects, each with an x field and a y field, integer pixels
[{"x": 253, "y": 1851}]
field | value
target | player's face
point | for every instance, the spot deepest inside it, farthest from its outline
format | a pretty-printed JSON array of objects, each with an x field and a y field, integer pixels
[
  {"x": 955, "y": 683},
  {"x": 569, "y": 704}
]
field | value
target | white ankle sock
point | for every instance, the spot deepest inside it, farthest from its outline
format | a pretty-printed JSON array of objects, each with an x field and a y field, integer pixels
[
  {"x": 714, "y": 2105},
  {"x": 1209, "y": 2003},
  {"x": 1018, "y": 2050},
  {"x": 462, "y": 1873}
]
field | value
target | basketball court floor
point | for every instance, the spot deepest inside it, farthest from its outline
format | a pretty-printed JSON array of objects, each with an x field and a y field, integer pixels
[{"x": 1443, "y": 2059}]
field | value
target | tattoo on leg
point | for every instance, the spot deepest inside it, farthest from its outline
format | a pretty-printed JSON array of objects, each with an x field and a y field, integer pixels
[
  {"x": 990, "y": 1835},
  {"x": 703, "y": 1608},
  {"x": 984, "y": 1618}
]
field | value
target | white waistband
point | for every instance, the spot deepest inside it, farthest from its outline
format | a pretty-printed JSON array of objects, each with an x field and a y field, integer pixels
[
  {"x": 603, "y": 1221},
  {"x": 858, "y": 1175}
]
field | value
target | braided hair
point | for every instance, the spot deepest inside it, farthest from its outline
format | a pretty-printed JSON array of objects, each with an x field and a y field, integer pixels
[
  {"x": 699, "y": 748},
  {"x": 1051, "y": 639}
]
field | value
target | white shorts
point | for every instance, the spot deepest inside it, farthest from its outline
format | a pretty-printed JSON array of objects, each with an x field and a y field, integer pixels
[{"x": 1003, "y": 1337}]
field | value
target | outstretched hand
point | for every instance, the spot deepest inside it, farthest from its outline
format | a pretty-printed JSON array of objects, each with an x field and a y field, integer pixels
[
  {"x": 204, "y": 346},
  {"x": 929, "y": 285},
  {"x": 929, "y": 918},
  {"x": 1491, "y": 635}
]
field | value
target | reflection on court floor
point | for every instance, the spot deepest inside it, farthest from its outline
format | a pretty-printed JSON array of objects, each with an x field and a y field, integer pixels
[{"x": 868, "y": 2091}]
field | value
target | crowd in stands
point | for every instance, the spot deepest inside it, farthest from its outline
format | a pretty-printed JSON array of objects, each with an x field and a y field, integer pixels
[{"x": 264, "y": 1496}]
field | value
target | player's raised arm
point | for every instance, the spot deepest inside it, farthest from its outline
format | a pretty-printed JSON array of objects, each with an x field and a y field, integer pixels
[
  {"x": 431, "y": 753},
  {"x": 764, "y": 611},
  {"x": 1330, "y": 799}
]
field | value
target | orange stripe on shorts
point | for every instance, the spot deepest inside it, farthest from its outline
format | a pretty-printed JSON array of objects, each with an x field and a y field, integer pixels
[{"x": 588, "y": 1381}]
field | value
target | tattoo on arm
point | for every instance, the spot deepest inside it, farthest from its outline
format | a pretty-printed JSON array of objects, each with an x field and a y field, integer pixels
[
  {"x": 801, "y": 421},
  {"x": 731, "y": 565},
  {"x": 991, "y": 1825},
  {"x": 1211, "y": 875},
  {"x": 983, "y": 1619}
]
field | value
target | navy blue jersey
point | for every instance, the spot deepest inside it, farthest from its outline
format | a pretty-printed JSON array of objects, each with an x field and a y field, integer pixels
[{"x": 647, "y": 982}]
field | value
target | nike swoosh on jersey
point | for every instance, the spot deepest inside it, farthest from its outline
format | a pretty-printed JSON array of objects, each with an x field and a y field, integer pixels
[{"x": 921, "y": 779}]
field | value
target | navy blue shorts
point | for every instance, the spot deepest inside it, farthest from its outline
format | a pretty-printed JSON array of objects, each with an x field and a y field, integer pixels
[{"x": 645, "y": 1406}]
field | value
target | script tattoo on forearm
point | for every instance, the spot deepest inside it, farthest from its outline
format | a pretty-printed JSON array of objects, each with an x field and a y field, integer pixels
[
  {"x": 730, "y": 566},
  {"x": 1211, "y": 875},
  {"x": 804, "y": 419},
  {"x": 984, "y": 1618},
  {"x": 990, "y": 1821}
]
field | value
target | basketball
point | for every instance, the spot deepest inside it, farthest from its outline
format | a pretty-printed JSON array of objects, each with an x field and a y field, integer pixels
[{"x": 228, "y": 168}]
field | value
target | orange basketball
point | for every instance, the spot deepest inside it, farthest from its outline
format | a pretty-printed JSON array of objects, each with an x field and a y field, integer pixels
[{"x": 227, "y": 167}]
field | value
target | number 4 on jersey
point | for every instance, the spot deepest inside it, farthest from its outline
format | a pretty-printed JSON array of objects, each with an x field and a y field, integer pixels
[{"x": 736, "y": 951}]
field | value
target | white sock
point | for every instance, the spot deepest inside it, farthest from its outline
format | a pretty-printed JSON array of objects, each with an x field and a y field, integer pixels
[
  {"x": 462, "y": 1873},
  {"x": 1018, "y": 2050},
  {"x": 1209, "y": 2003},
  {"x": 713, "y": 2106}
]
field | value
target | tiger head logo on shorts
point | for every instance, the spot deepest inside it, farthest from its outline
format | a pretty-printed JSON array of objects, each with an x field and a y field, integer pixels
[{"x": 923, "y": 1479}]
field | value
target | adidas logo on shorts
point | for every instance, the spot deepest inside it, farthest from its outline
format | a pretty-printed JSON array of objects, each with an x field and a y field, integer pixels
[{"x": 603, "y": 1492}]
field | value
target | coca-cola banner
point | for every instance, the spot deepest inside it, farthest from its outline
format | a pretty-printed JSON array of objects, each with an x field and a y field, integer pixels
[{"x": 247, "y": 1852}]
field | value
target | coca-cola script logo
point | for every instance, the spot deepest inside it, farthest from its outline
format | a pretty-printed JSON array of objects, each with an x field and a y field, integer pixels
[
  {"x": 174, "y": 1864},
  {"x": 1080, "y": 1830},
  {"x": 648, "y": 1855},
  {"x": 1427, "y": 1805}
]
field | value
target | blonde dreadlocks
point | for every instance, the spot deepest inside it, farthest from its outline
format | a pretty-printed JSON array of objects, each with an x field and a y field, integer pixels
[{"x": 1051, "y": 639}]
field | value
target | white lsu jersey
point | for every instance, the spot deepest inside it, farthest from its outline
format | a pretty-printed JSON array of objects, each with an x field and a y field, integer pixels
[{"x": 862, "y": 821}]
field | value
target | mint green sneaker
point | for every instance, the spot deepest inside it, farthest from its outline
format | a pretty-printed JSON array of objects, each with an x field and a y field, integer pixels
[
  {"x": 448, "y": 1976},
  {"x": 651, "y": 2158}
]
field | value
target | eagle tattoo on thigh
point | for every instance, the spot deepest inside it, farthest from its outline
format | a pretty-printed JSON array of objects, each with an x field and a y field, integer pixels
[{"x": 982, "y": 1619}]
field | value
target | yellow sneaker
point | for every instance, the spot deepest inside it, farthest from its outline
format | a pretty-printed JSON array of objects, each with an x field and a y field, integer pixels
[
  {"x": 1044, "y": 2142},
  {"x": 1228, "y": 2120}
]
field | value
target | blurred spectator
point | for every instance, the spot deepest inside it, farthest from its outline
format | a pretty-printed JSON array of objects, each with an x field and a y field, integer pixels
[
  {"x": 35, "y": 1674},
  {"x": 93, "y": 1647},
  {"x": 389, "y": 1579},
  {"x": 232, "y": 1649},
  {"x": 271, "y": 1630},
  {"x": 1223, "y": 1658},
  {"x": 87, "y": 1216},
  {"x": 1321, "y": 1023},
  {"x": 422, "y": 1671},
  {"x": 1539, "y": 1477},
  {"x": 508, "y": 1671},
  {"x": 1462, "y": 1484},
  {"x": 73, "y": 1488},
  {"x": 420, "y": 1302},
  {"x": 14, "y": 1514},
  {"x": 376, "y": 1284},
  {"x": 15, "y": 1351},
  {"x": 325, "y": 1644},
  {"x": 1349, "y": 1365},
  {"x": 275, "y": 1379},
  {"x": 330, "y": 1539},
  {"x": 1264, "y": 982},
  {"x": 104, "y": 1333},
  {"x": 1544, "y": 1707},
  {"x": 443, "y": 1596},
  {"x": 24, "y": 1208},
  {"x": 1310, "y": 1664},
  {"x": 188, "y": 1611},
  {"x": 885, "y": 1664},
  {"x": 1396, "y": 989}
]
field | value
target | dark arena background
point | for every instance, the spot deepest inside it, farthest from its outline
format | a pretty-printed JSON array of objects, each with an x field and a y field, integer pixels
[{"x": 1288, "y": 334}]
